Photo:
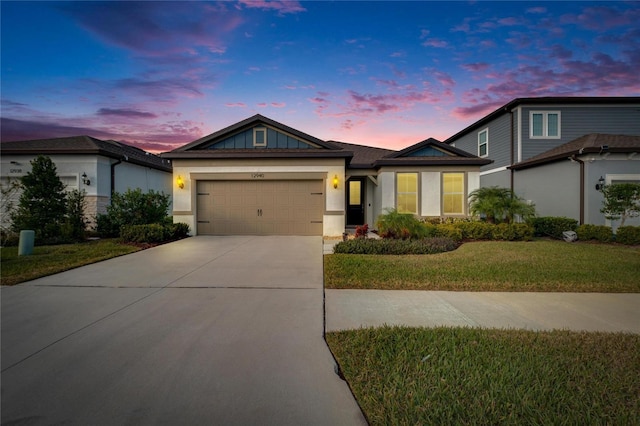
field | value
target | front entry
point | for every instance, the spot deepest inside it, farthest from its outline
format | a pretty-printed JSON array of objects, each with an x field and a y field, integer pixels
[{"x": 355, "y": 201}]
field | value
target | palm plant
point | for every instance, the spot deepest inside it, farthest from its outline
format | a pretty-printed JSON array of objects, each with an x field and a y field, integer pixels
[{"x": 499, "y": 205}]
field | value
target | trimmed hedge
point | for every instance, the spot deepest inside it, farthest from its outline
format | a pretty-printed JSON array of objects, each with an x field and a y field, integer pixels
[
  {"x": 551, "y": 226},
  {"x": 513, "y": 232},
  {"x": 601, "y": 233},
  {"x": 629, "y": 235},
  {"x": 153, "y": 233},
  {"x": 396, "y": 247}
]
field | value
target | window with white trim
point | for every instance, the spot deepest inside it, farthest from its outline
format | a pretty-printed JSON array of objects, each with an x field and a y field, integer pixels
[
  {"x": 483, "y": 143},
  {"x": 544, "y": 124},
  {"x": 407, "y": 193},
  {"x": 259, "y": 136},
  {"x": 453, "y": 193}
]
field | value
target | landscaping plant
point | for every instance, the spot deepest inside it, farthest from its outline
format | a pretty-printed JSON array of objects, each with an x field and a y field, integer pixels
[
  {"x": 621, "y": 201},
  {"x": 393, "y": 224},
  {"x": 499, "y": 205},
  {"x": 133, "y": 208}
]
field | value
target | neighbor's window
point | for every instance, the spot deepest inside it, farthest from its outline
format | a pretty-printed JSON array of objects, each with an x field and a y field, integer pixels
[
  {"x": 453, "y": 193},
  {"x": 483, "y": 143},
  {"x": 544, "y": 124},
  {"x": 259, "y": 136},
  {"x": 407, "y": 192}
]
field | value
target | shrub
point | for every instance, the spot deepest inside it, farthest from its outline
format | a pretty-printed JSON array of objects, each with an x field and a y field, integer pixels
[
  {"x": 600, "y": 233},
  {"x": 395, "y": 246},
  {"x": 499, "y": 205},
  {"x": 400, "y": 225},
  {"x": 513, "y": 232},
  {"x": 133, "y": 208},
  {"x": 629, "y": 235},
  {"x": 552, "y": 226},
  {"x": 449, "y": 231},
  {"x": 476, "y": 230},
  {"x": 154, "y": 232}
]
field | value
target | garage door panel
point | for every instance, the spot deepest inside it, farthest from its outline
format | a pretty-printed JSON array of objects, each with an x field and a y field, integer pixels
[{"x": 260, "y": 207}]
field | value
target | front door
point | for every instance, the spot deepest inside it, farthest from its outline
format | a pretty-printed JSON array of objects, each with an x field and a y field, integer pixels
[{"x": 355, "y": 201}]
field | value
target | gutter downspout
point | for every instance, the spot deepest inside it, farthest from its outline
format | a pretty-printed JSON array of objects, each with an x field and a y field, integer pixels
[
  {"x": 512, "y": 150},
  {"x": 113, "y": 175},
  {"x": 577, "y": 160}
]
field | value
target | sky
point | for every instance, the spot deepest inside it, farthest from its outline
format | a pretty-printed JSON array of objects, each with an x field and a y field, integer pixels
[{"x": 160, "y": 74}]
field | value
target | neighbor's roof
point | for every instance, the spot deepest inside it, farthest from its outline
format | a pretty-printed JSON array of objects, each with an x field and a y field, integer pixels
[
  {"x": 75, "y": 145},
  {"x": 594, "y": 143},
  {"x": 550, "y": 100}
]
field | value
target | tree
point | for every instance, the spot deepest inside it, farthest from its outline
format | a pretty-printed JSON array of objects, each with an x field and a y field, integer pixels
[
  {"x": 76, "y": 222},
  {"x": 43, "y": 205},
  {"x": 621, "y": 201},
  {"x": 9, "y": 193},
  {"x": 499, "y": 205}
]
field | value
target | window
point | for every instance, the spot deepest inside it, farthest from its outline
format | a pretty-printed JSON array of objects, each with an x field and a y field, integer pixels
[
  {"x": 544, "y": 124},
  {"x": 259, "y": 136},
  {"x": 453, "y": 193},
  {"x": 407, "y": 191},
  {"x": 483, "y": 143}
]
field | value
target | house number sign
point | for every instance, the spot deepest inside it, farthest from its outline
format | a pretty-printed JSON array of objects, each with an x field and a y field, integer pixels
[{"x": 257, "y": 175}]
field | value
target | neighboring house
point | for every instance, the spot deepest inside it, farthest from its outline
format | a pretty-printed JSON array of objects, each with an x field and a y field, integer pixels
[
  {"x": 98, "y": 167},
  {"x": 259, "y": 176},
  {"x": 547, "y": 150}
]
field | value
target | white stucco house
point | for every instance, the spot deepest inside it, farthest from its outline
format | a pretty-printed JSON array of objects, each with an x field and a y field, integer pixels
[
  {"x": 262, "y": 177},
  {"x": 96, "y": 166}
]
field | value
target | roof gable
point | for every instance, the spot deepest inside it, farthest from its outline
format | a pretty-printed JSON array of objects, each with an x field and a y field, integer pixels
[{"x": 242, "y": 135}]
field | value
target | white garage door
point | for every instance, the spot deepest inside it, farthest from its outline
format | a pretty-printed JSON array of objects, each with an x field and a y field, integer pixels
[{"x": 260, "y": 207}]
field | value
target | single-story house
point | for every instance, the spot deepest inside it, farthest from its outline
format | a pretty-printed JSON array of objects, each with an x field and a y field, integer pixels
[
  {"x": 262, "y": 177},
  {"x": 96, "y": 166}
]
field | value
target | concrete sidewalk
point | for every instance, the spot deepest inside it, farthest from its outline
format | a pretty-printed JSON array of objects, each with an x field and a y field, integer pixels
[
  {"x": 207, "y": 330},
  {"x": 349, "y": 309}
]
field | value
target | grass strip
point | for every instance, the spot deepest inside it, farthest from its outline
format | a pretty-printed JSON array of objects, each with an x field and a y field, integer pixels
[
  {"x": 466, "y": 376},
  {"x": 494, "y": 266},
  {"x": 48, "y": 260}
]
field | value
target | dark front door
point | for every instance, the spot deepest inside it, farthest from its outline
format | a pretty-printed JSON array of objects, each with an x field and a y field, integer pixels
[{"x": 355, "y": 201}]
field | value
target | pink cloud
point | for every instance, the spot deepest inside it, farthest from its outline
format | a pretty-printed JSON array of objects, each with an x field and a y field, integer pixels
[
  {"x": 600, "y": 18},
  {"x": 537, "y": 10},
  {"x": 235, "y": 105},
  {"x": 126, "y": 112},
  {"x": 278, "y": 104},
  {"x": 476, "y": 66},
  {"x": 435, "y": 42},
  {"x": 282, "y": 7}
]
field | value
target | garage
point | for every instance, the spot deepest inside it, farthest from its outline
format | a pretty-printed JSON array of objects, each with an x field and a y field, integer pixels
[{"x": 260, "y": 207}]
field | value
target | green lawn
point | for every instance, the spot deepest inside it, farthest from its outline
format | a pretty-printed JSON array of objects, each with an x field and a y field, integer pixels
[
  {"x": 494, "y": 266},
  {"x": 464, "y": 376},
  {"x": 47, "y": 260}
]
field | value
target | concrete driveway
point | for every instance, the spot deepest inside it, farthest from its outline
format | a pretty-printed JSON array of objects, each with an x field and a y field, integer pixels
[{"x": 207, "y": 330}]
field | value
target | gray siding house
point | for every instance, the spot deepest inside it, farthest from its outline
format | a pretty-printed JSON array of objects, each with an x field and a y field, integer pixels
[{"x": 549, "y": 150}]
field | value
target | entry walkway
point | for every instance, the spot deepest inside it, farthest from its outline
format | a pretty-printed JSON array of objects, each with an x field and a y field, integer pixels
[
  {"x": 207, "y": 330},
  {"x": 349, "y": 309}
]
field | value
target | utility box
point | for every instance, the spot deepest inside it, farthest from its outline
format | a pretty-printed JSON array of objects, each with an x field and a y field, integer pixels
[{"x": 25, "y": 245}]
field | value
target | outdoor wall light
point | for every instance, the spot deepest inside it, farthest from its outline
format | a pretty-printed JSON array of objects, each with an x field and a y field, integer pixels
[
  {"x": 180, "y": 182},
  {"x": 600, "y": 184},
  {"x": 335, "y": 182},
  {"x": 85, "y": 180}
]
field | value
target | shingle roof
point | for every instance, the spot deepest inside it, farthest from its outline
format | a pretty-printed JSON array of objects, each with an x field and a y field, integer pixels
[
  {"x": 364, "y": 157},
  {"x": 594, "y": 143},
  {"x": 87, "y": 145}
]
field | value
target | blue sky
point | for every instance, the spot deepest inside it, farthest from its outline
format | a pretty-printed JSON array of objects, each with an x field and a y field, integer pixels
[{"x": 389, "y": 74}]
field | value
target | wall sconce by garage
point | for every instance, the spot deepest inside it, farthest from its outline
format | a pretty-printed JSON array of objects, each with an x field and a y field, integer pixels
[
  {"x": 180, "y": 182},
  {"x": 600, "y": 184},
  {"x": 85, "y": 180},
  {"x": 335, "y": 182}
]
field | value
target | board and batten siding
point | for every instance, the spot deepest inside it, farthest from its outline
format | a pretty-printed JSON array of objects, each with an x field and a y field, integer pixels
[{"x": 577, "y": 121}]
